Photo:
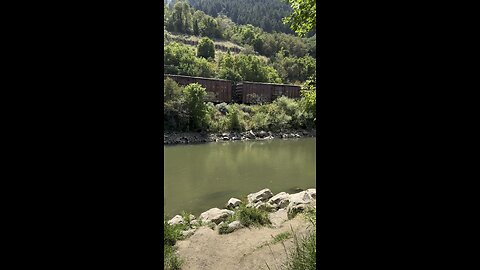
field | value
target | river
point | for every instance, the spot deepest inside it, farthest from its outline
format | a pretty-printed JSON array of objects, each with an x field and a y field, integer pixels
[{"x": 199, "y": 177}]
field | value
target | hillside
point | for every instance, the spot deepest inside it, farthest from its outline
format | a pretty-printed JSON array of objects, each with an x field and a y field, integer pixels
[
  {"x": 254, "y": 54},
  {"x": 266, "y": 14}
]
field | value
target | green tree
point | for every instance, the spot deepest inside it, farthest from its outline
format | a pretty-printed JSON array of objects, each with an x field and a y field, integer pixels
[
  {"x": 304, "y": 16},
  {"x": 206, "y": 48},
  {"x": 196, "y": 107}
]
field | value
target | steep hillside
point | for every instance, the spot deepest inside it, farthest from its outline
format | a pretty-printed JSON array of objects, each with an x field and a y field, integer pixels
[{"x": 266, "y": 14}]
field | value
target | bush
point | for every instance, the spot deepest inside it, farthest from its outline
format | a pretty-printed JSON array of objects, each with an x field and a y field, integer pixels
[
  {"x": 304, "y": 254},
  {"x": 251, "y": 216},
  {"x": 170, "y": 259},
  {"x": 206, "y": 48},
  {"x": 196, "y": 107}
]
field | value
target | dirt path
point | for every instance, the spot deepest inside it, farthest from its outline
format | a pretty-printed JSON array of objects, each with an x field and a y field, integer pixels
[{"x": 242, "y": 249}]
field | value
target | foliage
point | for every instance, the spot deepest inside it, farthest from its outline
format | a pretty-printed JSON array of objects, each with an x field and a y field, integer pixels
[
  {"x": 196, "y": 107},
  {"x": 303, "y": 255},
  {"x": 171, "y": 233},
  {"x": 252, "y": 216},
  {"x": 186, "y": 110},
  {"x": 170, "y": 259},
  {"x": 224, "y": 229},
  {"x": 206, "y": 49},
  {"x": 304, "y": 16},
  {"x": 266, "y": 14},
  {"x": 181, "y": 60},
  {"x": 309, "y": 94}
]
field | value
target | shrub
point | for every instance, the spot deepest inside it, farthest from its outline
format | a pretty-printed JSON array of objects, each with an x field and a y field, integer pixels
[
  {"x": 236, "y": 118},
  {"x": 303, "y": 255},
  {"x": 170, "y": 259},
  {"x": 251, "y": 216},
  {"x": 206, "y": 48},
  {"x": 196, "y": 107}
]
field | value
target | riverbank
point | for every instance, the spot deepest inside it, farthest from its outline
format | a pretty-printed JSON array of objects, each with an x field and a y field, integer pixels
[
  {"x": 251, "y": 234},
  {"x": 172, "y": 138}
]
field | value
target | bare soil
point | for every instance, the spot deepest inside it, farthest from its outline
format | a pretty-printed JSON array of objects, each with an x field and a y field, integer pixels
[{"x": 246, "y": 248}]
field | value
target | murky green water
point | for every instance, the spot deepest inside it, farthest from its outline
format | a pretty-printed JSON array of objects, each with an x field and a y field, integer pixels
[{"x": 199, "y": 177}]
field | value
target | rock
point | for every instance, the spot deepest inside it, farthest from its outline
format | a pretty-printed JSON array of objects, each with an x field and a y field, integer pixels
[
  {"x": 235, "y": 225},
  {"x": 292, "y": 211},
  {"x": 250, "y": 135},
  {"x": 188, "y": 233},
  {"x": 233, "y": 202},
  {"x": 176, "y": 220},
  {"x": 312, "y": 192},
  {"x": 299, "y": 198},
  {"x": 262, "y": 134},
  {"x": 281, "y": 200},
  {"x": 278, "y": 218},
  {"x": 299, "y": 202},
  {"x": 215, "y": 215},
  {"x": 263, "y": 195},
  {"x": 226, "y": 138},
  {"x": 191, "y": 217}
]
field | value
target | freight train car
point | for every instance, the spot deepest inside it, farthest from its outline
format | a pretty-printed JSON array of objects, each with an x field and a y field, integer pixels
[
  {"x": 254, "y": 92},
  {"x": 217, "y": 90},
  {"x": 243, "y": 92}
]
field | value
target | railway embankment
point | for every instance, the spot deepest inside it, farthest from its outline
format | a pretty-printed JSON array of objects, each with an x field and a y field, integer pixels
[{"x": 172, "y": 137}]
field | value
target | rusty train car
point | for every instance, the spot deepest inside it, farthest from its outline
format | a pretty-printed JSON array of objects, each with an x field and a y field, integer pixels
[
  {"x": 242, "y": 92},
  {"x": 217, "y": 90}
]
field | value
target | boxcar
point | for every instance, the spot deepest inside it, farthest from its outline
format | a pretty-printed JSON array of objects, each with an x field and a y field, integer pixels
[
  {"x": 253, "y": 92},
  {"x": 217, "y": 90}
]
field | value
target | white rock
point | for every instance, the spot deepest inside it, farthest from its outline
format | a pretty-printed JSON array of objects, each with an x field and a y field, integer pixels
[
  {"x": 278, "y": 218},
  {"x": 263, "y": 195},
  {"x": 215, "y": 215},
  {"x": 233, "y": 202},
  {"x": 235, "y": 225},
  {"x": 176, "y": 220},
  {"x": 188, "y": 233},
  {"x": 281, "y": 200},
  {"x": 312, "y": 192},
  {"x": 299, "y": 202}
]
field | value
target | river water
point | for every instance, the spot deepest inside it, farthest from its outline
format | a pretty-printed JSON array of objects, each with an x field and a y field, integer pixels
[{"x": 203, "y": 176}]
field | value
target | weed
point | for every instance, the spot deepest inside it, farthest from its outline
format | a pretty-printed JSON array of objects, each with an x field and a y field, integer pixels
[{"x": 251, "y": 216}]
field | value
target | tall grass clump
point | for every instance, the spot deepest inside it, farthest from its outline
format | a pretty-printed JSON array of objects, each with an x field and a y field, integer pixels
[
  {"x": 304, "y": 253},
  {"x": 171, "y": 233},
  {"x": 251, "y": 216}
]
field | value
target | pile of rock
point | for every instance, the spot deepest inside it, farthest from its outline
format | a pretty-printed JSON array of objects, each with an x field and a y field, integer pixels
[{"x": 282, "y": 206}]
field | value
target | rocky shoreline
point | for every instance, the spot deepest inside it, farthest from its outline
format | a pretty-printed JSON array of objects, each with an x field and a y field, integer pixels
[
  {"x": 281, "y": 207},
  {"x": 172, "y": 138}
]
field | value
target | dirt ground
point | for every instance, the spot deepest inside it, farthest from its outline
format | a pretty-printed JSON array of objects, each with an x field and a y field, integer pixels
[{"x": 245, "y": 248}]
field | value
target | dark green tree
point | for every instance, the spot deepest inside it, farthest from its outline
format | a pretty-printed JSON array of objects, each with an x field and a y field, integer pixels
[{"x": 206, "y": 48}]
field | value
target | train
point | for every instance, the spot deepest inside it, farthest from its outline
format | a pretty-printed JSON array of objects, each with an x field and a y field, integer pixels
[{"x": 219, "y": 90}]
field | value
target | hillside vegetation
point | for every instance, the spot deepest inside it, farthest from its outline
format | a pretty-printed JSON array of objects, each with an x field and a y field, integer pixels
[
  {"x": 264, "y": 57},
  {"x": 266, "y": 14}
]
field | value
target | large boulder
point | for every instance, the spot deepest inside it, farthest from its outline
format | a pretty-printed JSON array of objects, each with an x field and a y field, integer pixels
[
  {"x": 215, "y": 215},
  {"x": 278, "y": 218},
  {"x": 300, "y": 202},
  {"x": 263, "y": 195},
  {"x": 312, "y": 192},
  {"x": 233, "y": 202},
  {"x": 176, "y": 220},
  {"x": 281, "y": 200}
]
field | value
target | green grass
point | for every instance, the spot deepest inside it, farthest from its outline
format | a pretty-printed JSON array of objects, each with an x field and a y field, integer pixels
[
  {"x": 281, "y": 237},
  {"x": 223, "y": 229},
  {"x": 171, "y": 260},
  {"x": 304, "y": 254},
  {"x": 171, "y": 234},
  {"x": 252, "y": 217}
]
